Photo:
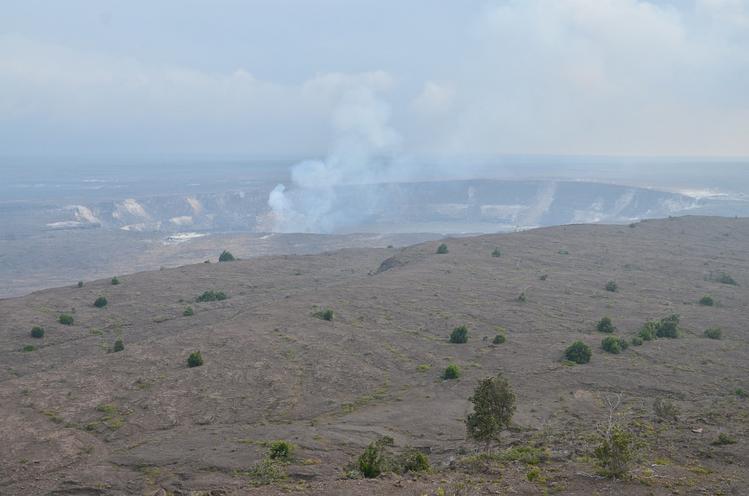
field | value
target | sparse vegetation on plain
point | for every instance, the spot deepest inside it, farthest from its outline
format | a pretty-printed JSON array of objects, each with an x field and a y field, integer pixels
[
  {"x": 37, "y": 332},
  {"x": 195, "y": 359},
  {"x": 707, "y": 301},
  {"x": 578, "y": 352},
  {"x": 211, "y": 296},
  {"x": 28, "y": 348},
  {"x": 324, "y": 314},
  {"x": 100, "y": 302},
  {"x": 612, "y": 286},
  {"x": 115, "y": 281},
  {"x": 66, "y": 319},
  {"x": 452, "y": 371},
  {"x": 614, "y": 344},
  {"x": 188, "y": 312},
  {"x": 496, "y": 253},
  {"x": 713, "y": 333},
  {"x": 499, "y": 339},
  {"x": 459, "y": 335},
  {"x": 605, "y": 325},
  {"x": 722, "y": 277},
  {"x": 118, "y": 346},
  {"x": 665, "y": 409},
  {"x": 280, "y": 450}
]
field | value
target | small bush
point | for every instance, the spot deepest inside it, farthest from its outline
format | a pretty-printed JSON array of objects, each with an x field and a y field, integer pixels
[
  {"x": 195, "y": 359},
  {"x": 614, "y": 344},
  {"x": 724, "y": 439},
  {"x": 189, "y": 312},
  {"x": 722, "y": 278},
  {"x": 100, "y": 302},
  {"x": 411, "y": 460},
  {"x": 493, "y": 407},
  {"x": 211, "y": 296},
  {"x": 543, "y": 277},
  {"x": 459, "y": 335},
  {"x": 226, "y": 256},
  {"x": 522, "y": 298},
  {"x": 496, "y": 253},
  {"x": 713, "y": 333},
  {"x": 578, "y": 352},
  {"x": 611, "y": 286},
  {"x": 707, "y": 301},
  {"x": 664, "y": 409},
  {"x": 280, "y": 450},
  {"x": 373, "y": 461},
  {"x": 118, "y": 346},
  {"x": 615, "y": 453},
  {"x": 28, "y": 348},
  {"x": 115, "y": 281},
  {"x": 648, "y": 331},
  {"x": 605, "y": 325},
  {"x": 533, "y": 474},
  {"x": 741, "y": 393},
  {"x": 80, "y": 284},
  {"x": 324, "y": 314},
  {"x": 451, "y": 372},
  {"x": 65, "y": 319},
  {"x": 442, "y": 249},
  {"x": 668, "y": 327},
  {"x": 636, "y": 341},
  {"x": 37, "y": 332},
  {"x": 499, "y": 339}
]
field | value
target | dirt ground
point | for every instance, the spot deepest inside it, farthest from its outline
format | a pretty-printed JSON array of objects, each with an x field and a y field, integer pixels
[{"x": 79, "y": 420}]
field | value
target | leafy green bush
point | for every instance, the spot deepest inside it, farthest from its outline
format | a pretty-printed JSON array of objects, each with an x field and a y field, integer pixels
[
  {"x": 522, "y": 298},
  {"x": 195, "y": 359},
  {"x": 722, "y": 278},
  {"x": 442, "y": 249},
  {"x": 65, "y": 319},
  {"x": 713, "y": 333},
  {"x": 499, "y": 339},
  {"x": 226, "y": 256},
  {"x": 374, "y": 461},
  {"x": 611, "y": 286},
  {"x": 280, "y": 450},
  {"x": 668, "y": 327},
  {"x": 615, "y": 453},
  {"x": 451, "y": 372},
  {"x": 411, "y": 460},
  {"x": 605, "y": 325},
  {"x": 707, "y": 301},
  {"x": 324, "y": 314},
  {"x": 724, "y": 439},
  {"x": 118, "y": 346},
  {"x": 636, "y": 341},
  {"x": 648, "y": 331},
  {"x": 496, "y": 253},
  {"x": 37, "y": 332},
  {"x": 189, "y": 312},
  {"x": 741, "y": 393},
  {"x": 578, "y": 352},
  {"x": 211, "y": 296},
  {"x": 614, "y": 344},
  {"x": 115, "y": 281},
  {"x": 493, "y": 407},
  {"x": 543, "y": 277},
  {"x": 459, "y": 335},
  {"x": 80, "y": 284},
  {"x": 665, "y": 409},
  {"x": 28, "y": 348},
  {"x": 100, "y": 302}
]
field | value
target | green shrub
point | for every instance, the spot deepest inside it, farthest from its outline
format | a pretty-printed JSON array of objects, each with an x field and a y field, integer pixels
[
  {"x": 451, "y": 372},
  {"x": 563, "y": 252},
  {"x": 648, "y": 331},
  {"x": 722, "y": 278},
  {"x": 543, "y": 277},
  {"x": 280, "y": 450},
  {"x": 713, "y": 333},
  {"x": 493, "y": 407},
  {"x": 189, "y": 312},
  {"x": 611, "y": 286},
  {"x": 605, "y": 325},
  {"x": 411, "y": 460},
  {"x": 665, "y": 409},
  {"x": 707, "y": 301},
  {"x": 100, "y": 302},
  {"x": 668, "y": 327},
  {"x": 65, "y": 319},
  {"x": 499, "y": 339},
  {"x": 522, "y": 298},
  {"x": 324, "y": 314},
  {"x": 37, "y": 332},
  {"x": 374, "y": 460},
  {"x": 741, "y": 393},
  {"x": 459, "y": 335},
  {"x": 578, "y": 352},
  {"x": 195, "y": 359},
  {"x": 442, "y": 249},
  {"x": 496, "y": 253},
  {"x": 724, "y": 439},
  {"x": 615, "y": 452},
  {"x": 614, "y": 344},
  {"x": 226, "y": 256},
  {"x": 115, "y": 281},
  {"x": 533, "y": 474},
  {"x": 211, "y": 296},
  {"x": 118, "y": 346},
  {"x": 80, "y": 284},
  {"x": 636, "y": 341},
  {"x": 28, "y": 348}
]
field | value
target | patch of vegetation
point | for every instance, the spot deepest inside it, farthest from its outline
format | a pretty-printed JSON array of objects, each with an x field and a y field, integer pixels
[
  {"x": 100, "y": 302},
  {"x": 412, "y": 460},
  {"x": 195, "y": 359},
  {"x": 534, "y": 475},
  {"x": 424, "y": 367},
  {"x": 65, "y": 319},
  {"x": 118, "y": 346},
  {"x": 522, "y": 298},
  {"x": 665, "y": 409},
  {"x": 442, "y": 249},
  {"x": 451, "y": 372},
  {"x": 226, "y": 256},
  {"x": 636, "y": 341},
  {"x": 115, "y": 281},
  {"x": 543, "y": 277},
  {"x": 280, "y": 450},
  {"x": 578, "y": 352},
  {"x": 722, "y": 277},
  {"x": 493, "y": 407},
  {"x": 459, "y": 335},
  {"x": 713, "y": 333},
  {"x": 647, "y": 332},
  {"x": 605, "y": 325},
  {"x": 378, "y": 459},
  {"x": 324, "y": 314},
  {"x": 526, "y": 454},
  {"x": 37, "y": 332},
  {"x": 615, "y": 452},
  {"x": 499, "y": 339},
  {"x": 668, "y": 327},
  {"x": 211, "y": 296},
  {"x": 496, "y": 253},
  {"x": 614, "y": 344},
  {"x": 707, "y": 301},
  {"x": 189, "y": 312},
  {"x": 80, "y": 284},
  {"x": 741, "y": 393},
  {"x": 28, "y": 348},
  {"x": 266, "y": 472},
  {"x": 612, "y": 286},
  {"x": 373, "y": 461},
  {"x": 563, "y": 252},
  {"x": 724, "y": 439}
]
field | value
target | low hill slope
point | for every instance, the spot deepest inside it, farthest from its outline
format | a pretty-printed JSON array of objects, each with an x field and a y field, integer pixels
[{"x": 79, "y": 419}]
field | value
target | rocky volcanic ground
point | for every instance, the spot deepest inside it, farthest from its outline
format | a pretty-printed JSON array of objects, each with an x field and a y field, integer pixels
[{"x": 79, "y": 420}]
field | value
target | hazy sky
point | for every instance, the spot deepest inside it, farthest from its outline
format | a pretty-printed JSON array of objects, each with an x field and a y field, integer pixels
[{"x": 283, "y": 77}]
